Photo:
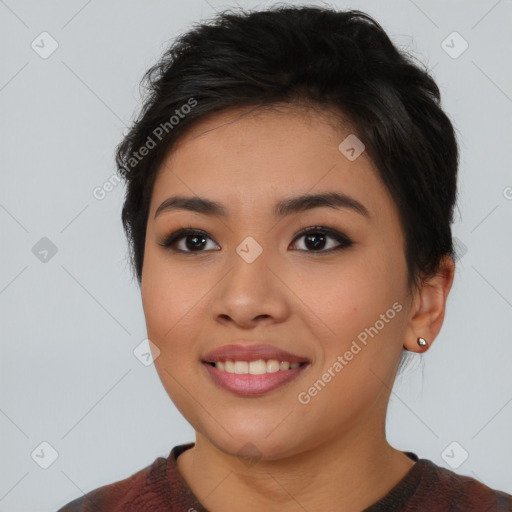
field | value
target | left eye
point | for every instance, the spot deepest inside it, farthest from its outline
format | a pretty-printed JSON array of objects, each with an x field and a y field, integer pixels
[{"x": 316, "y": 239}]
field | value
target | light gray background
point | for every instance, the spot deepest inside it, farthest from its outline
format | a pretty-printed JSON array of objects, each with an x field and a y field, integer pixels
[{"x": 68, "y": 374}]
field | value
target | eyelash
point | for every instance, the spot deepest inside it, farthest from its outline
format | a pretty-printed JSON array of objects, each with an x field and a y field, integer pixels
[{"x": 343, "y": 240}]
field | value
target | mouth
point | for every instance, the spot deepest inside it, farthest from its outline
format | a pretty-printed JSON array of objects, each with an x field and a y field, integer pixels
[
  {"x": 258, "y": 367},
  {"x": 247, "y": 370}
]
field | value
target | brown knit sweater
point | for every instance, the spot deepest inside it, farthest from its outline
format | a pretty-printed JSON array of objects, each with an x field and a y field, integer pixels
[{"x": 425, "y": 488}]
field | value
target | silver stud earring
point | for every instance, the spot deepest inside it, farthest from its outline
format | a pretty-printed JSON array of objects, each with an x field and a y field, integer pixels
[{"x": 422, "y": 342}]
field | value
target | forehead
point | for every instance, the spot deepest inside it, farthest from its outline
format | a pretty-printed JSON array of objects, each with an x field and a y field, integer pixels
[
  {"x": 250, "y": 158},
  {"x": 280, "y": 130}
]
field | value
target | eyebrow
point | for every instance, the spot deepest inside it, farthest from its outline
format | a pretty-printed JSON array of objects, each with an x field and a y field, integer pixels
[{"x": 283, "y": 208}]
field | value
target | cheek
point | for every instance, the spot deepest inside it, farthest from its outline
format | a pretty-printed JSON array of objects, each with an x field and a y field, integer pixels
[
  {"x": 170, "y": 298},
  {"x": 361, "y": 308},
  {"x": 349, "y": 295}
]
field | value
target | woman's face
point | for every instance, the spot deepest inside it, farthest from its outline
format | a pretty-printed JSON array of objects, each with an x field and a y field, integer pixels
[{"x": 337, "y": 302}]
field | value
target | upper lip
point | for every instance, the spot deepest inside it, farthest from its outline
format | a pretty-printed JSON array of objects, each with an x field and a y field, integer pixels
[{"x": 239, "y": 352}]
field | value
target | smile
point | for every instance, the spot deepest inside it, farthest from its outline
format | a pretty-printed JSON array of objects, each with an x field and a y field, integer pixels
[
  {"x": 258, "y": 367},
  {"x": 248, "y": 369}
]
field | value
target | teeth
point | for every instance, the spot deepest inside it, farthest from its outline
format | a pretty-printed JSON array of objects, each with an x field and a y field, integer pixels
[
  {"x": 258, "y": 367},
  {"x": 272, "y": 366},
  {"x": 241, "y": 367}
]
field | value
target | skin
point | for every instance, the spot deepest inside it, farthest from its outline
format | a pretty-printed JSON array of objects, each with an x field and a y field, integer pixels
[{"x": 331, "y": 453}]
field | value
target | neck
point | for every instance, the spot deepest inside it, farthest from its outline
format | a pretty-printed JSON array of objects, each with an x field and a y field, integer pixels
[{"x": 354, "y": 472}]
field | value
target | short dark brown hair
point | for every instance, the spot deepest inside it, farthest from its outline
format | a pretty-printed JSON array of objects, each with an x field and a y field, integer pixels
[{"x": 337, "y": 61}]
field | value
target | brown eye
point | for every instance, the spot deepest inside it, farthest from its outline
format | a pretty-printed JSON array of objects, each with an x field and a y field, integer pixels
[
  {"x": 321, "y": 239},
  {"x": 187, "y": 240}
]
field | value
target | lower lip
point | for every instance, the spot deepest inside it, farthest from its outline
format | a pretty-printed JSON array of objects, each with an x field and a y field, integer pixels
[{"x": 247, "y": 384}]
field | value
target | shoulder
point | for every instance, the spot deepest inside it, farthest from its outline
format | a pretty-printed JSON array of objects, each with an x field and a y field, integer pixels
[
  {"x": 454, "y": 492},
  {"x": 123, "y": 495},
  {"x": 428, "y": 487}
]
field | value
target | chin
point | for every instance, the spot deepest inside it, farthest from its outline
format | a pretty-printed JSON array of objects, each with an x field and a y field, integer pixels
[{"x": 254, "y": 444}]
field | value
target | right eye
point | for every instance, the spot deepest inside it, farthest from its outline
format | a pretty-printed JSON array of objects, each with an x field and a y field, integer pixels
[{"x": 187, "y": 240}]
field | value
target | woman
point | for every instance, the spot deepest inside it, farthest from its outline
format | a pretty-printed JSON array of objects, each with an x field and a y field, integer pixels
[{"x": 291, "y": 182}]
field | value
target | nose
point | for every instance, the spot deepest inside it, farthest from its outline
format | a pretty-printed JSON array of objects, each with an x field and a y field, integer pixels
[{"x": 251, "y": 294}]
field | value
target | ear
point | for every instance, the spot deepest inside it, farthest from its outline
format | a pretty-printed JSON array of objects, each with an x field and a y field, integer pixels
[{"x": 427, "y": 312}]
